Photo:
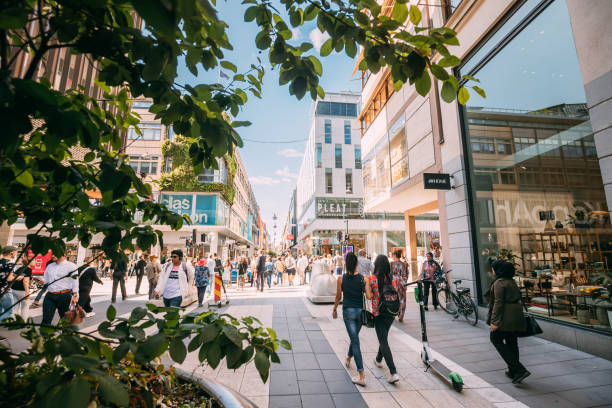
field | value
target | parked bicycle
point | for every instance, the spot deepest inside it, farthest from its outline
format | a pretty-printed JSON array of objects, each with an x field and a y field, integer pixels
[{"x": 458, "y": 302}]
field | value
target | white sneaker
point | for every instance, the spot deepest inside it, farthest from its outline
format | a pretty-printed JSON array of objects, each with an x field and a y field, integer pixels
[
  {"x": 393, "y": 379},
  {"x": 377, "y": 364},
  {"x": 358, "y": 381},
  {"x": 90, "y": 314}
]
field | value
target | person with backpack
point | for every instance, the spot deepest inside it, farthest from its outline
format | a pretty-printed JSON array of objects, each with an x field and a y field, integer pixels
[
  {"x": 385, "y": 306},
  {"x": 174, "y": 280},
  {"x": 352, "y": 287},
  {"x": 430, "y": 272},
  {"x": 202, "y": 274},
  {"x": 261, "y": 269}
]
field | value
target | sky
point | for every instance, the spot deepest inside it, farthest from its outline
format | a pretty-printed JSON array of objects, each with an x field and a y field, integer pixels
[{"x": 278, "y": 117}]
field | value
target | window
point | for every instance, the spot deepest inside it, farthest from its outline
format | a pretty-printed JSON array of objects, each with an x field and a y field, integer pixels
[
  {"x": 526, "y": 162},
  {"x": 141, "y": 105},
  {"x": 328, "y": 134},
  {"x": 168, "y": 165},
  {"x": 349, "y": 181},
  {"x": 170, "y": 130},
  {"x": 319, "y": 152},
  {"x": 207, "y": 176},
  {"x": 378, "y": 101},
  {"x": 347, "y": 132},
  {"x": 357, "y": 157},
  {"x": 214, "y": 176},
  {"x": 328, "y": 181},
  {"x": 398, "y": 152},
  {"x": 150, "y": 131},
  {"x": 337, "y": 109},
  {"x": 338, "y": 156},
  {"x": 144, "y": 164}
]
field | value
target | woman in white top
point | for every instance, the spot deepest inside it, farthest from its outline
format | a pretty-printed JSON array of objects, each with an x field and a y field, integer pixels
[{"x": 174, "y": 280}]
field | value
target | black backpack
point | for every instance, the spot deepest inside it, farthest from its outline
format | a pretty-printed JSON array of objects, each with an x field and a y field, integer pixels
[
  {"x": 389, "y": 300},
  {"x": 218, "y": 266}
]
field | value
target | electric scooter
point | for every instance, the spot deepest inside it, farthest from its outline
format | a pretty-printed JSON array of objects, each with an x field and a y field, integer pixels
[{"x": 450, "y": 376}]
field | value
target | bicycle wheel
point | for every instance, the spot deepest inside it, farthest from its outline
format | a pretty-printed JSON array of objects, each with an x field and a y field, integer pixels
[
  {"x": 446, "y": 302},
  {"x": 469, "y": 310}
]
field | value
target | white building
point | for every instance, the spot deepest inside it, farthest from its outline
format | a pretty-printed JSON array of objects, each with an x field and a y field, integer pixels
[{"x": 329, "y": 197}]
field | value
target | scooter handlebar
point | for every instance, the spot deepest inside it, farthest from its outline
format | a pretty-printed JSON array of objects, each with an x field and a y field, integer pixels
[{"x": 413, "y": 283}]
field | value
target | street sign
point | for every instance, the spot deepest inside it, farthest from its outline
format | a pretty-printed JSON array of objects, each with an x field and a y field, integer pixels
[{"x": 436, "y": 181}]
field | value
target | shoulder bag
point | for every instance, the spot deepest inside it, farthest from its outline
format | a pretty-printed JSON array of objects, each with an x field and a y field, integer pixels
[
  {"x": 367, "y": 318},
  {"x": 532, "y": 328}
]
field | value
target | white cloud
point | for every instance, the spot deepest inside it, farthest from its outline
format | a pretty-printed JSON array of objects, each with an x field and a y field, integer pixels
[
  {"x": 296, "y": 34},
  {"x": 263, "y": 180},
  {"x": 285, "y": 174},
  {"x": 290, "y": 153},
  {"x": 318, "y": 38}
]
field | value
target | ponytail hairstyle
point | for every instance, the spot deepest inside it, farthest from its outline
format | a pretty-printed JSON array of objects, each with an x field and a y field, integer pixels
[
  {"x": 351, "y": 263},
  {"x": 382, "y": 269}
]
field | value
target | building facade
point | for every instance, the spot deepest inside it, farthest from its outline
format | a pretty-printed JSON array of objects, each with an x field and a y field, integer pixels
[
  {"x": 330, "y": 193},
  {"x": 531, "y": 164}
]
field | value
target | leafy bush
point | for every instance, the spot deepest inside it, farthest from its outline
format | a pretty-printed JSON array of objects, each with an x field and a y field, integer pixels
[{"x": 119, "y": 364}]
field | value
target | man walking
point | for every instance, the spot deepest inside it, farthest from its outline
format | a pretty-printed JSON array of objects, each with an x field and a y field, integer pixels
[
  {"x": 6, "y": 277},
  {"x": 175, "y": 279},
  {"x": 62, "y": 289},
  {"x": 364, "y": 265},
  {"x": 290, "y": 266},
  {"x": 86, "y": 280},
  {"x": 338, "y": 263},
  {"x": 210, "y": 264},
  {"x": 261, "y": 269},
  {"x": 119, "y": 273},
  {"x": 139, "y": 269},
  {"x": 153, "y": 269}
]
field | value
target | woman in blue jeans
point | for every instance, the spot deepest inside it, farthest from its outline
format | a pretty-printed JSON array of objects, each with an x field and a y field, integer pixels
[{"x": 353, "y": 287}]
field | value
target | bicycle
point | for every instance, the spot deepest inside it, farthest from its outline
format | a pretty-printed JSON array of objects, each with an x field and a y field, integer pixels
[{"x": 458, "y": 302}]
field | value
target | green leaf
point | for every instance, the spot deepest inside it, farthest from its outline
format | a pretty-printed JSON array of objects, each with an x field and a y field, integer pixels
[
  {"x": 463, "y": 96},
  {"x": 78, "y": 393},
  {"x": 439, "y": 72},
  {"x": 480, "y": 91},
  {"x": 111, "y": 313},
  {"x": 262, "y": 363},
  {"x": 470, "y": 77},
  {"x": 120, "y": 352},
  {"x": 138, "y": 333},
  {"x": 178, "y": 351},
  {"x": 285, "y": 344},
  {"x": 423, "y": 83},
  {"x": 113, "y": 391},
  {"x": 26, "y": 179},
  {"x": 351, "y": 48},
  {"x": 209, "y": 333},
  {"x": 451, "y": 61},
  {"x": 326, "y": 48},
  {"x": 251, "y": 13},
  {"x": 317, "y": 64},
  {"x": 448, "y": 92},
  {"x": 213, "y": 355},
  {"x": 400, "y": 12},
  {"x": 229, "y": 65},
  {"x": 79, "y": 361},
  {"x": 232, "y": 333},
  {"x": 415, "y": 15},
  {"x": 137, "y": 314}
]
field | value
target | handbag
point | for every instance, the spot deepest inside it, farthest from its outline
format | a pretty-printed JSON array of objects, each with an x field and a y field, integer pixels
[
  {"x": 367, "y": 318},
  {"x": 532, "y": 327},
  {"x": 75, "y": 314}
]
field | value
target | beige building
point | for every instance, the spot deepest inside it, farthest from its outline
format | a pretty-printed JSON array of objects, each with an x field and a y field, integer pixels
[{"x": 530, "y": 166}]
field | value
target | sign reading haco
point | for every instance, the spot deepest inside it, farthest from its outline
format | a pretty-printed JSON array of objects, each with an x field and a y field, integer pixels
[
  {"x": 436, "y": 181},
  {"x": 202, "y": 213}
]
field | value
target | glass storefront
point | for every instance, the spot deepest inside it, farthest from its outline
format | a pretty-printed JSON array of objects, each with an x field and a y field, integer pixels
[{"x": 536, "y": 185}]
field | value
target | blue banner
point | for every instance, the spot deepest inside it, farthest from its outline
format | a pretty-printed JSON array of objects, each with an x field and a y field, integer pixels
[
  {"x": 205, "y": 210},
  {"x": 202, "y": 213},
  {"x": 250, "y": 228},
  {"x": 178, "y": 203}
]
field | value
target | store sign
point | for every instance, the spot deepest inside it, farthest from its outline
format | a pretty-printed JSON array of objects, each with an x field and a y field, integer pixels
[
  {"x": 339, "y": 207},
  {"x": 202, "y": 212},
  {"x": 436, "y": 181},
  {"x": 290, "y": 237}
]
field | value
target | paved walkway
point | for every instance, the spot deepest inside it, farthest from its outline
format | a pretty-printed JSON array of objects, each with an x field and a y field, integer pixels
[{"x": 312, "y": 374}]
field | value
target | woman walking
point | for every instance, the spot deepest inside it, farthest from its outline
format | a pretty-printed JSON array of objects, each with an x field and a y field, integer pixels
[
  {"x": 242, "y": 271},
  {"x": 506, "y": 319},
  {"x": 353, "y": 287},
  {"x": 382, "y": 320},
  {"x": 86, "y": 280},
  {"x": 429, "y": 273},
  {"x": 202, "y": 274},
  {"x": 269, "y": 271},
  {"x": 21, "y": 287},
  {"x": 399, "y": 269}
]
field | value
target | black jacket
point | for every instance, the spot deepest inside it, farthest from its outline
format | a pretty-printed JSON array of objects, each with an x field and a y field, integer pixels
[
  {"x": 87, "y": 278},
  {"x": 139, "y": 268}
]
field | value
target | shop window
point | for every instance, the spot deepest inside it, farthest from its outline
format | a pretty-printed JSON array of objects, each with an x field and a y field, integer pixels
[
  {"x": 349, "y": 181},
  {"x": 328, "y": 131},
  {"x": 329, "y": 181},
  {"x": 554, "y": 217},
  {"x": 338, "y": 156}
]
